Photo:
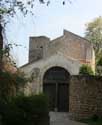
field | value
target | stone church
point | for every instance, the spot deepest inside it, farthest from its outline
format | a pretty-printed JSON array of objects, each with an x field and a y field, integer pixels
[{"x": 51, "y": 62}]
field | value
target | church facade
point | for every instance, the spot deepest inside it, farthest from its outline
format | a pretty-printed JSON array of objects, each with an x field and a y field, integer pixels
[{"x": 52, "y": 62}]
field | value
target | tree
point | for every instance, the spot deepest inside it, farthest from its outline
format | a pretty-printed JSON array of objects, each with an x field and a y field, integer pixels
[
  {"x": 10, "y": 7},
  {"x": 85, "y": 70},
  {"x": 99, "y": 67},
  {"x": 94, "y": 35}
]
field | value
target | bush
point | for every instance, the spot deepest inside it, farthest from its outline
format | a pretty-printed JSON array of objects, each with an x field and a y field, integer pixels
[
  {"x": 95, "y": 118},
  {"x": 86, "y": 70},
  {"x": 99, "y": 62},
  {"x": 9, "y": 83},
  {"x": 25, "y": 110},
  {"x": 99, "y": 67}
]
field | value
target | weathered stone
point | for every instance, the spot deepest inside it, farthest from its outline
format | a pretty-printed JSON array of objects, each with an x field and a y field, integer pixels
[
  {"x": 85, "y": 97},
  {"x": 69, "y": 51}
]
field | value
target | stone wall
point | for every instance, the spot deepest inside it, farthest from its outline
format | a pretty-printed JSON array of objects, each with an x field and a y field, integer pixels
[
  {"x": 85, "y": 99},
  {"x": 37, "y": 48},
  {"x": 70, "y": 45}
]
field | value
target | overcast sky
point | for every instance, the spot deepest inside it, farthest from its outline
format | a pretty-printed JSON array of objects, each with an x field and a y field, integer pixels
[{"x": 50, "y": 21}]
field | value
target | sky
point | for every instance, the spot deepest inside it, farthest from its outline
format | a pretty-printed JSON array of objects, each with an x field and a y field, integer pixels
[{"x": 50, "y": 21}]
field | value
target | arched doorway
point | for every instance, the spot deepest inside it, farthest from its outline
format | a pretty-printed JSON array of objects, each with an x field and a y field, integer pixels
[{"x": 56, "y": 87}]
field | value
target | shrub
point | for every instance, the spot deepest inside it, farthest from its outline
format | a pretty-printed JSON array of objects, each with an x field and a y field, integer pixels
[
  {"x": 27, "y": 110},
  {"x": 99, "y": 62},
  {"x": 99, "y": 67},
  {"x": 95, "y": 118},
  {"x": 9, "y": 83},
  {"x": 86, "y": 70}
]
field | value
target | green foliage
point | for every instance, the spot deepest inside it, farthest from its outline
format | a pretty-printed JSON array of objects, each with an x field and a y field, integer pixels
[
  {"x": 94, "y": 120},
  {"x": 9, "y": 83},
  {"x": 25, "y": 110},
  {"x": 10, "y": 6},
  {"x": 38, "y": 103},
  {"x": 94, "y": 33},
  {"x": 99, "y": 67},
  {"x": 86, "y": 70},
  {"x": 99, "y": 62}
]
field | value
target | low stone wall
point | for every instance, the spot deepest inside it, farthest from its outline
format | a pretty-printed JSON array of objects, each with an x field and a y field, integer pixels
[{"x": 85, "y": 98}]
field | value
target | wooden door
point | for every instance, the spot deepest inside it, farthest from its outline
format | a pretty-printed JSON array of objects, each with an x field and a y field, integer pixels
[{"x": 56, "y": 87}]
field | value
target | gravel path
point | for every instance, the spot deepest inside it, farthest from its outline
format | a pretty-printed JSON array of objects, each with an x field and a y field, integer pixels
[{"x": 57, "y": 118}]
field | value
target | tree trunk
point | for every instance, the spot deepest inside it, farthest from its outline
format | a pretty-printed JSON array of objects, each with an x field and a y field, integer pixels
[{"x": 1, "y": 46}]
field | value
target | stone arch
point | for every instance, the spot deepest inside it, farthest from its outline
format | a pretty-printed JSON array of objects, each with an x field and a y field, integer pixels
[
  {"x": 55, "y": 60},
  {"x": 47, "y": 67},
  {"x": 56, "y": 87}
]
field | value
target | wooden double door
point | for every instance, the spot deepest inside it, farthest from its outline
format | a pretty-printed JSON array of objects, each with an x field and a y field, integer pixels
[{"x": 56, "y": 87}]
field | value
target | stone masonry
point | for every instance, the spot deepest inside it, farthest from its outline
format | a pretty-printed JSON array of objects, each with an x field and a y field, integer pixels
[
  {"x": 69, "y": 51},
  {"x": 69, "y": 45},
  {"x": 85, "y": 97}
]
